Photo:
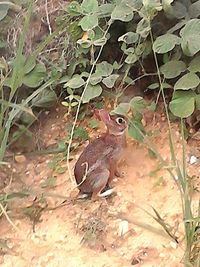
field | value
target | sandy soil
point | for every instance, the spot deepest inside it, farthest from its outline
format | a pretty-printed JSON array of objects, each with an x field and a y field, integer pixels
[{"x": 113, "y": 232}]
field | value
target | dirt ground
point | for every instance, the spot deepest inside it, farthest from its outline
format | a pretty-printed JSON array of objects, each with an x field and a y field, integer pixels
[{"x": 112, "y": 232}]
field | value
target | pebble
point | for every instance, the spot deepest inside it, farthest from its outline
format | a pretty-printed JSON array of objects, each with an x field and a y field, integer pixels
[
  {"x": 20, "y": 158},
  {"x": 193, "y": 159},
  {"x": 119, "y": 194},
  {"x": 173, "y": 245},
  {"x": 123, "y": 227}
]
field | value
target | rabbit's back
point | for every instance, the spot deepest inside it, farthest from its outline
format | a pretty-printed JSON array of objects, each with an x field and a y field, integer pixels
[{"x": 97, "y": 154}]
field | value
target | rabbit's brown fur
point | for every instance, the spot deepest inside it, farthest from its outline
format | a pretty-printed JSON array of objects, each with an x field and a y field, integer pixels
[{"x": 97, "y": 164}]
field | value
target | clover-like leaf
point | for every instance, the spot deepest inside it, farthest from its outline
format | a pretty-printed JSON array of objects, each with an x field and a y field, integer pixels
[
  {"x": 183, "y": 103},
  {"x": 143, "y": 27},
  {"x": 29, "y": 64},
  {"x": 194, "y": 9},
  {"x": 194, "y": 65},
  {"x": 122, "y": 12},
  {"x": 172, "y": 68},
  {"x": 129, "y": 37},
  {"x": 131, "y": 58},
  {"x": 191, "y": 37},
  {"x": 100, "y": 42},
  {"x": 165, "y": 43},
  {"x": 88, "y": 22},
  {"x": 45, "y": 99},
  {"x": 95, "y": 78},
  {"x": 74, "y": 8},
  {"x": 104, "y": 69},
  {"x": 75, "y": 82},
  {"x": 110, "y": 80},
  {"x": 121, "y": 109},
  {"x": 105, "y": 10},
  {"x": 137, "y": 104},
  {"x": 188, "y": 81},
  {"x": 3, "y": 10},
  {"x": 35, "y": 77},
  {"x": 197, "y": 101},
  {"x": 91, "y": 92},
  {"x": 89, "y": 6},
  {"x": 136, "y": 130}
]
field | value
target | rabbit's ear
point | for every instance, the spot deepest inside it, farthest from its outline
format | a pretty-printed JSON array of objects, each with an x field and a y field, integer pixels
[{"x": 104, "y": 115}]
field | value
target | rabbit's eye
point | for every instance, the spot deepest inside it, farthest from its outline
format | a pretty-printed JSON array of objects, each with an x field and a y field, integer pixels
[{"x": 119, "y": 120}]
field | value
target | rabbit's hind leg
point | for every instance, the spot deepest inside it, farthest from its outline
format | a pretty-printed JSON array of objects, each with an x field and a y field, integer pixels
[{"x": 100, "y": 183}]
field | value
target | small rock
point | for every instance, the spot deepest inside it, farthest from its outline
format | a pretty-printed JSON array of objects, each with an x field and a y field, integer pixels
[
  {"x": 173, "y": 245},
  {"x": 119, "y": 194},
  {"x": 20, "y": 158},
  {"x": 123, "y": 227},
  {"x": 193, "y": 159},
  {"x": 161, "y": 255}
]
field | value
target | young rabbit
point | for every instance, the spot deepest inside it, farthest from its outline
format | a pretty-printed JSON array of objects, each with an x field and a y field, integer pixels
[{"x": 97, "y": 164}]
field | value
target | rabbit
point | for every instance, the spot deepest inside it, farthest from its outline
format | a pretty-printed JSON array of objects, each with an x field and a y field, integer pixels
[{"x": 97, "y": 165}]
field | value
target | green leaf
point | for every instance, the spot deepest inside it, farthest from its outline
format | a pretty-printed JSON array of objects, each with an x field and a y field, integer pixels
[
  {"x": 182, "y": 104},
  {"x": 93, "y": 124},
  {"x": 137, "y": 104},
  {"x": 194, "y": 9},
  {"x": 188, "y": 81},
  {"x": 129, "y": 50},
  {"x": 153, "y": 106},
  {"x": 3, "y": 10},
  {"x": 75, "y": 82},
  {"x": 89, "y": 6},
  {"x": 197, "y": 101},
  {"x": 121, "y": 109},
  {"x": 29, "y": 64},
  {"x": 131, "y": 58},
  {"x": 80, "y": 133},
  {"x": 35, "y": 77},
  {"x": 27, "y": 118},
  {"x": 191, "y": 37},
  {"x": 134, "y": 4},
  {"x": 143, "y": 27},
  {"x": 136, "y": 130},
  {"x": 100, "y": 42},
  {"x": 191, "y": 45},
  {"x": 105, "y": 10},
  {"x": 49, "y": 182},
  {"x": 122, "y": 12},
  {"x": 84, "y": 43},
  {"x": 194, "y": 65},
  {"x": 45, "y": 99},
  {"x": 172, "y": 68},
  {"x": 95, "y": 78},
  {"x": 60, "y": 170},
  {"x": 151, "y": 6},
  {"x": 177, "y": 10},
  {"x": 74, "y": 9},
  {"x": 91, "y": 92},
  {"x": 129, "y": 38},
  {"x": 165, "y": 43},
  {"x": 152, "y": 154},
  {"x": 110, "y": 80},
  {"x": 64, "y": 79},
  {"x": 104, "y": 69},
  {"x": 88, "y": 22},
  {"x": 157, "y": 85}
]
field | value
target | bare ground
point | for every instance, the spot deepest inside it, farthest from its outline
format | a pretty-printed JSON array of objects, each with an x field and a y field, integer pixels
[{"x": 112, "y": 232}]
